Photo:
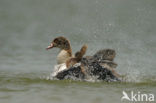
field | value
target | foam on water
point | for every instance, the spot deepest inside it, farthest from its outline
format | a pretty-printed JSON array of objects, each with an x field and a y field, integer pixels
[{"x": 133, "y": 76}]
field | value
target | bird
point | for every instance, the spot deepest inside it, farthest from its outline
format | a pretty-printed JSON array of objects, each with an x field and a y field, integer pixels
[{"x": 101, "y": 64}]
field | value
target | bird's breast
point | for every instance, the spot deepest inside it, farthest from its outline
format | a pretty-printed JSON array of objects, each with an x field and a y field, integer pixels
[{"x": 62, "y": 57}]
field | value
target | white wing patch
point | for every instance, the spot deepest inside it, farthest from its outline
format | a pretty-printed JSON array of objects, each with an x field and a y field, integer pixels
[{"x": 58, "y": 68}]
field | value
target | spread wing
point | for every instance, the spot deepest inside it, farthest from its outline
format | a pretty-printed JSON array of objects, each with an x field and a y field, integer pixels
[{"x": 105, "y": 54}]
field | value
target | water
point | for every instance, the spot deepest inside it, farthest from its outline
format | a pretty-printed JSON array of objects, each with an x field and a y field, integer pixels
[{"x": 27, "y": 27}]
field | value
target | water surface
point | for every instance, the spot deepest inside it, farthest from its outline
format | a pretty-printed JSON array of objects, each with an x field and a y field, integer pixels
[{"x": 27, "y": 27}]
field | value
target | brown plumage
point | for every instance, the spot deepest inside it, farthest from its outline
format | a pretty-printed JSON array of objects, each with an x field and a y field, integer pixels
[
  {"x": 105, "y": 54},
  {"x": 103, "y": 57},
  {"x": 78, "y": 56},
  {"x": 65, "y": 49}
]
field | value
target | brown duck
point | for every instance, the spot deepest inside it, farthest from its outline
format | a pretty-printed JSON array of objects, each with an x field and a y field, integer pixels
[{"x": 100, "y": 64}]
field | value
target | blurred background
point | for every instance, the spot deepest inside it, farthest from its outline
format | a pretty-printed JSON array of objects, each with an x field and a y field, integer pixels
[{"x": 28, "y": 26}]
